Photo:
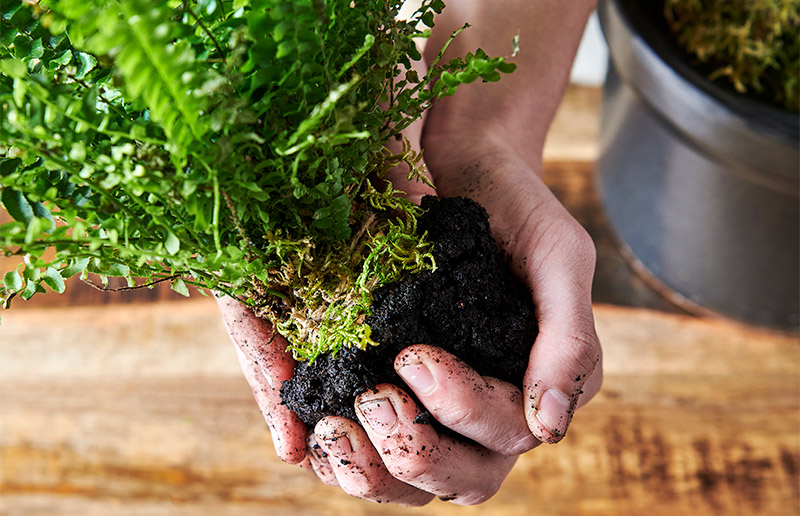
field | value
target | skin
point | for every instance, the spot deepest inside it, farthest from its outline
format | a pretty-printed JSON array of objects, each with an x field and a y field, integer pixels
[{"x": 484, "y": 142}]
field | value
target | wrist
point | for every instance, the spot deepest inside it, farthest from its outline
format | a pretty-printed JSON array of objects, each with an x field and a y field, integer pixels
[{"x": 477, "y": 151}]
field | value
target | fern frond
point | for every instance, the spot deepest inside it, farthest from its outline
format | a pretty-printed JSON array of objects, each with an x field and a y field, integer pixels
[{"x": 159, "y": 70}]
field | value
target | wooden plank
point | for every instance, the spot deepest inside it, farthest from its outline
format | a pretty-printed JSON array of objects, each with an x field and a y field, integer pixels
[
  {"x": 140, "y": 410},
  {"x": 573, "y": 134}
]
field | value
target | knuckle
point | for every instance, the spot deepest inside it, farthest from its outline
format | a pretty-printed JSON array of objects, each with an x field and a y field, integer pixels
[
  {"x": 563, "y": 242},
  {"x": 582, "y": 351},
  {"x": 517, "y": 444},
  {"x": 455, "y": 415},
  {"x": 409, "y": 469},
  {"x": 584, "y": 245},
  {"x": 580, "y": 247},
  {"x": 361, "y": 490}
]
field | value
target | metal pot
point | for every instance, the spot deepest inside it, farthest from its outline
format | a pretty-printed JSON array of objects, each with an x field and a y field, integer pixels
[{"x": 701, "y": 184}]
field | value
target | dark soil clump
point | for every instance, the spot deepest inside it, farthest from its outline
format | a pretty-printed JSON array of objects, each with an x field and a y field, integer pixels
[{"x": 471, "y": 305}]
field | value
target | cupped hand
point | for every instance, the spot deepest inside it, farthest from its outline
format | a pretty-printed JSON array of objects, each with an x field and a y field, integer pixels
[{"x": 396, "y": 457}]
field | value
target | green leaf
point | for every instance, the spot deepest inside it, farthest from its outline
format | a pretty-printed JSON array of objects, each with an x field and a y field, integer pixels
[
  {"x": 449, "y": 79},
  {"x": 87, "y": 63},
  {"x": 62, "y": 59},
  {"x": 54, "y": 280},
  {"x": 30, "y": 272},
  {"x": 37, "y": 49},
  {"x": 207, "y": 6},
  {"x": 30, "y": 290},
  {"x": 171, "y": 243},
  {"x": 42, "y": 212},
  {"x": 22, "y": 46},
  {"x": 13, "y": 68},
  {"x": 17, "y": 205},
  {"x": 12, "y": 281},
  {"x": 75, "y": 267},
  {"x": 180, "y": 287},
  {"x": 284, "y": 49},
  {"x": 492, "y": 76},
  {"x": 118, "y": 270},
  {"x": 506, "y": 67},
  {"x": 9, "y": 166}
]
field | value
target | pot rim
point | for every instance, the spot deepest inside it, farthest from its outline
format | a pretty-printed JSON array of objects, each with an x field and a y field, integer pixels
[{"x": 746, "y": 134}]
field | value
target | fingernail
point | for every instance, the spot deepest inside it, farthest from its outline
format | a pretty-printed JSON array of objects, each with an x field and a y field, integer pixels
[
  {"x": 380, "y": 415},
  {"x": 316, "y": 449},
  {"x": 318, "y": 452},
  {"x": 418, "y": 377},
  {"x": 553, "y": 412},
  {"x": 338, "y": 445}
]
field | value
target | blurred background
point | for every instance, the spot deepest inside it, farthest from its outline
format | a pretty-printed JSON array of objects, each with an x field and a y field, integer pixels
[{"x": 132, "y": 403}]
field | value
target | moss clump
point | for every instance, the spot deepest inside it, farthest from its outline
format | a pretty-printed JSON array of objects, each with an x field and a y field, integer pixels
[{"x": 753, "y": 46}]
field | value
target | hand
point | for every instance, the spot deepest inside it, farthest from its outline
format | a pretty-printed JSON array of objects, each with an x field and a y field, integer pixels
[
  {"x": 394, "y": 459},
  {"x": 265, "y": 363},
  {"x": 486, "y": 142},
  {"x": 550, "y": 252},
  {"x": 470, "y": 154}
]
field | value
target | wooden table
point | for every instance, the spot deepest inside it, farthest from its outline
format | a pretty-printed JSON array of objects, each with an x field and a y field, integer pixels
[{"x": 139, "y": 408}]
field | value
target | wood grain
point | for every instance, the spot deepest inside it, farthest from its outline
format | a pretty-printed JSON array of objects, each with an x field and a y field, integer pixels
[{"x": 141, "y": 410}]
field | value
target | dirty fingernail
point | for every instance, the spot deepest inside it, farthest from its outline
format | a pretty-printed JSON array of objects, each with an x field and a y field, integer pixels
[
  {"x": 379, "y": 414},
  {"x": 418, "y": 377},
  {"x": 553, "y": 412},
  {"x": 316, "y": 449},
  {"x": 338, "y": 445}
]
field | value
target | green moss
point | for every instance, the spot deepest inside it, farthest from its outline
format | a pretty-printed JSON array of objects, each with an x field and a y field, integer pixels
[{"x": 753, "y": 45}]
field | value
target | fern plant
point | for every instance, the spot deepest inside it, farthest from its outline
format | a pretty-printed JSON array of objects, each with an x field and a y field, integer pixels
[{"x": 226, "y": 145}]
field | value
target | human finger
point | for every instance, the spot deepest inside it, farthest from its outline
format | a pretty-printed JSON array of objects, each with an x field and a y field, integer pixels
[
  {"x": 415, "y": 453},
  {"x": 564, "y": 369},
  {"x": 357, "y": 466},
  {"x": 265, "y": 364},
  {"x": 483, "y": 409},
  {"x": 318, "y": 461}
]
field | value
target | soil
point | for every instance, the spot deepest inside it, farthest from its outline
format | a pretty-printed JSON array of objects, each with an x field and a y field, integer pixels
[{"x": 471, "y": 305}]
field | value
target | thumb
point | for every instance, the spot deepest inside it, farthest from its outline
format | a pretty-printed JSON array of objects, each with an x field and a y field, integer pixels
[{"x": 564, "y": 367}]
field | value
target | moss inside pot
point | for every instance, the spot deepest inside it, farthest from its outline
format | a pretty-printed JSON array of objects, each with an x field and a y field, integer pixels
[{"x": 752, "y": 47}]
